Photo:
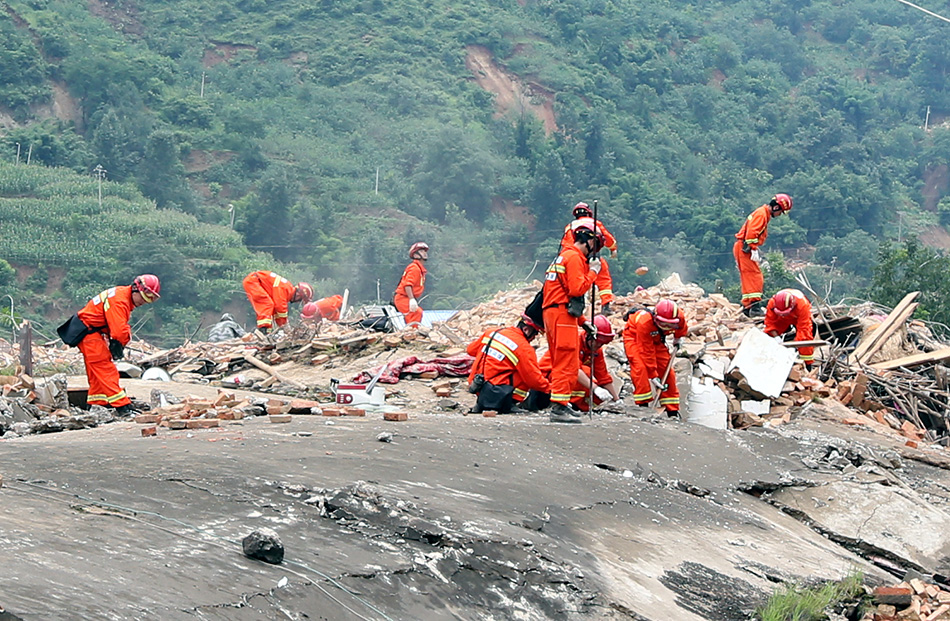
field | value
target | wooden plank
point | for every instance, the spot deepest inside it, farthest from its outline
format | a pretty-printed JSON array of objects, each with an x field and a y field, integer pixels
[
  {"x": 263, "y": 366},
  {"x": 894, "y": 320},
  {"x": 914, "y": 360}
]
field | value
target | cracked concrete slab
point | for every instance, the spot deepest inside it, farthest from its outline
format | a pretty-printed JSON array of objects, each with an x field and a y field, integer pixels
[{"x": 457, "y": 517}]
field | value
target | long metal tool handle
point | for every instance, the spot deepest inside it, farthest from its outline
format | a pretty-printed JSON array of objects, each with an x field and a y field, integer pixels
[
  {"x": 666, "y": 374},
  {"x": 593, "y": 312}
]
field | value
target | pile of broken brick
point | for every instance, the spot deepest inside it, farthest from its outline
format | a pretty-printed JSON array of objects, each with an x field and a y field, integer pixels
[{"x": 914, "y": 600}]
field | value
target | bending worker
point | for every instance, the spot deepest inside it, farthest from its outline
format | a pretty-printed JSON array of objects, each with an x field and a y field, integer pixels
[
  {"x": 506, "y": 356},
  {"x": 324, "y": 309},
  {"x": 644, "y": 341},
  {"x": 749, "y": 239},
  {"x": 412, "y": 284},
  {"x": 603, "y": 282},
  {"x": 566, "y": 281},
  {"x": 225, "y": 330},
  {"x": 787, "y": 308},
  {"x": 101, "y": 331},
  {"x": 270, "y": 294}
]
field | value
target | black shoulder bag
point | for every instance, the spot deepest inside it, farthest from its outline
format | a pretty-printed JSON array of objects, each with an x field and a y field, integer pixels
[{"x": 497, "y": 397}]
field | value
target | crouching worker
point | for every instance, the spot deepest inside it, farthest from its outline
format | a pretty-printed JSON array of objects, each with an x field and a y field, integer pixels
[
  {"x": 505, "y": 368},
  {"x": 593, "y": 337},
  {"x": 324, "y": 309},
  {"x": 225, "y": 330},
  {"x": 788, "y": 308},
  {"x": 644, "y": 341},
  {"x": 101, "y": 331}
]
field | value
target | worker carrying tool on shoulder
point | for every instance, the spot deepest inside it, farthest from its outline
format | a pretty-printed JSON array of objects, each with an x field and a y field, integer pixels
[
  {"x": 787, "y": 308},
  {"x": 566, "y": 281},
  {"x": 101, "y": 331},
  {"x": 505, "y": 357},
  {"x": 270, "y": 294},
  {"x": 603, "y": 282},
  {"x": 644, "y": 341},
  {"x": 324, "y": 309},
  {"x": 749, "y": 239},
  {"x": 412, "y": 284}
]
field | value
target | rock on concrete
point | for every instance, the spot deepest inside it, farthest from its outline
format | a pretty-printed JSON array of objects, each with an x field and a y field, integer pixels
[{"x": 264, "y": 544}]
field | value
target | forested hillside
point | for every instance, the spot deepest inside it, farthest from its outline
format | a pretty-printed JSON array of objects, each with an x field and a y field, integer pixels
[{"x": 485, "y": 121}]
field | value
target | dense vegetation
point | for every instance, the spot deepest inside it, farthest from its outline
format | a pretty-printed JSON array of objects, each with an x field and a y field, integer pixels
[{"x": 680, "y": 117}]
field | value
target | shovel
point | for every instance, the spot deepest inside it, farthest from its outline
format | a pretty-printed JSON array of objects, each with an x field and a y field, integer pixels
[{"x": 656, "y": 399}]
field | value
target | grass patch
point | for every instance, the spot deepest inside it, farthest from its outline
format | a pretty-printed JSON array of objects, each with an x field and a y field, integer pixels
[{"x": 796, "y": 603}]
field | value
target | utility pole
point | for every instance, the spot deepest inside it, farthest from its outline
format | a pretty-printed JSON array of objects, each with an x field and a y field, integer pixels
[
  {"x": 17, "y": 163},
  {"x": 99, "y": 172},
  {"x": 29, "y": 154},
  {"x": 202, "y": 95},
  {"x": 927, "y": 119},
  {"x": 231, "y": 211}
]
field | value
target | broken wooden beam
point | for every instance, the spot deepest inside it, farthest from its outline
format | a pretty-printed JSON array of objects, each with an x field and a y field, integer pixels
[
  {"x": 263, "y": 366},
  {"x": 914, "y": 360},
  {"x": 904, "y": 309}
]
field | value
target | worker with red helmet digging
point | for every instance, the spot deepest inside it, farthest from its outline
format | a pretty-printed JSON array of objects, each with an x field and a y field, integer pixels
[
  {"x": 603, "y": 282},
  {"x": 324, "y": 309},
  {"x": 101, "y": 331},
  {"x": 412, "y": 284},
  {"x": 592, "y": 364},
  {"x": 566, "y": 282},
  {"x": 651, "y": 361},
  {"x": 749, "y": 239},
  {"x": 505, "y": 360},
  {"x": 270, "y": 294},
  {"x": 788, "y": 308}
]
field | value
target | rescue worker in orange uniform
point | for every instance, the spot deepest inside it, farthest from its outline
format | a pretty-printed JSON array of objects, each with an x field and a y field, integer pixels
[
  {"x": 749, "y": 239},
  {"x": 787, "y": 308},
  {"x": 412, "y": 284},
  {"x": 106, "y": 318},
  {"x": 566, "y": 281},
  {"x": 270, "y": 294},
  {"x": 604, "y": 282},
  {"x": 506, "y": 356},
  {"x": 324, "y": 309},
  {"x": 593, "y": 338},
  {"x": 644, "y": 341}
]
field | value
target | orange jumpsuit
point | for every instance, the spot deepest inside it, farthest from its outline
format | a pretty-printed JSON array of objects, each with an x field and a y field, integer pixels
[
  {"x": 604, "y": 282},
  {"x": 269, "y": 294},
  {"x": 645, "y": 345},
  {"x": 602, "y": 376},
  {"x": 567, "y": 277},
  {"x": 110, "y": 310},
  {"x": 753, "y": 233},
  {"x": 510, "y": 360},
  {"x": 329, "y": 308},
  {"x": 800, "y": 317},
  {"x": 414, "y": 276}
]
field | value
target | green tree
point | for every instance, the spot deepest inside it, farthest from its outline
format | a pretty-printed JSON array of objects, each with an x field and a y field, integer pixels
[{"x": 162, "y": 175}]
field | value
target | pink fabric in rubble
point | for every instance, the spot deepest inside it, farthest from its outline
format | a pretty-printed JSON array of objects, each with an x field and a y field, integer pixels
[{"x": 456, "y": 366}]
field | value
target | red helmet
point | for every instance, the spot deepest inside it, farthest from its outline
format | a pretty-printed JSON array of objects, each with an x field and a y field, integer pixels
[
  {"x": 582, "y": 210},
  {"x": 416, "y": 247},
  {"x": 667, "y": 315},
  {"x": 583, "y": 229},
  {"x": 148, "y": 286},
  {"x": 528, "y": 321},
  {"x": 783, "y": 202},
  {"x": 784, "y": 301},
  {"x": 304, "y": 292},
  {"x": 309, "y": 310},
  {"x": 604, "y": 332}
]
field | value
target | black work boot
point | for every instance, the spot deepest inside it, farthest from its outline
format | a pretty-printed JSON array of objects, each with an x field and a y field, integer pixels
[
  {"x": 560, "y": 413},
  {"x": 126, "y": 410}
]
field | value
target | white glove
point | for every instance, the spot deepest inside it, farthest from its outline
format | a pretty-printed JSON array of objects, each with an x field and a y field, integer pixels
[
  {"x": 619, "y": 402},
  {"x": 613, "y": 254},
  {"x": 595, "y": 265},
  {"x": 755, "y": 255},
  {"x": 413, "y": 305},
  {"x": 602, "y": 394},
  {"x": 657, "y": 384},
  {"x": 778, "y": 338}
]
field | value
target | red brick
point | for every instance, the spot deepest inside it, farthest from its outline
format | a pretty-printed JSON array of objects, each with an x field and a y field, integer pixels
[
  {"x": 899, "y": 596},
  {"x": 395, "y": 416},
  {"x": 148, "y": 419},
  {"x": 202, "y": 423},
  {"x": 280, "y": 418},
  {"x": 149, "y": 431},
  {"x": 332, "y": 411},
  {"x": 177, "y": 423},
  {"x": 354, "y": 412},
  {"x": 489, "y": 413},
  {"x": 302, "y": 406}
]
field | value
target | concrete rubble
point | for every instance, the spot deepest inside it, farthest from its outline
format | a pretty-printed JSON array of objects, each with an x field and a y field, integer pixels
[{"x": 404, "y": 508}]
